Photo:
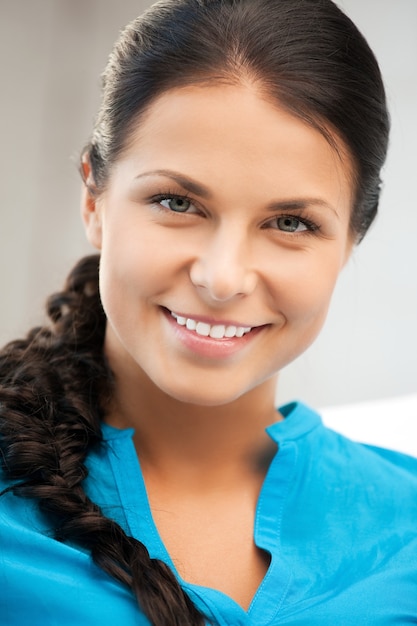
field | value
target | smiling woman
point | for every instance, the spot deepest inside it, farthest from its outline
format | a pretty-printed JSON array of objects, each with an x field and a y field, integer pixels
[
  {"x": 259, "y": 239},
  {"x": 234, "y": 165}
]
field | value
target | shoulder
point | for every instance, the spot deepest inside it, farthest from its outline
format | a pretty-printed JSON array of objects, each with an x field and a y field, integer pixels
[
  {"x": 334, "y": 461},
  {"x": 393, "y": 460},
  {"x": 375, "y": 460},
  {"x": 368, "y": 467},
  {"x": 34, "y": 566}
]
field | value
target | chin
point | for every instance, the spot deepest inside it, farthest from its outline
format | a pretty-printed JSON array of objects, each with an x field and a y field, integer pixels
[{"x": 203, "y": 395}]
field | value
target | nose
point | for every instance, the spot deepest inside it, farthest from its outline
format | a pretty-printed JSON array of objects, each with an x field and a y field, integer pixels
[{"x": 222, "y": 270}]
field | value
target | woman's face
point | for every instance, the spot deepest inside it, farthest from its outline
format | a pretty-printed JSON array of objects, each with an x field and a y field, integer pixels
[{"x": 222, "y": 231}]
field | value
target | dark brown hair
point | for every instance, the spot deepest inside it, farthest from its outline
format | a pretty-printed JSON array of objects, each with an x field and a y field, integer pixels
[{"x": 307, "y": 56}]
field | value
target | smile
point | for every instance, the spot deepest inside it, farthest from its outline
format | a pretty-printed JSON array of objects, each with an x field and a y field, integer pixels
[{"x": 215, "y": 331}]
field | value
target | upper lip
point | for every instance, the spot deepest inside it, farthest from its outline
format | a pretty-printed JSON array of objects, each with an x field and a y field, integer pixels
[{"x": 213, "y": 322}]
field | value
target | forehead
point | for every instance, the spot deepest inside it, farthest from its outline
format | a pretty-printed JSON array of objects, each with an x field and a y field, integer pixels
[{"x": 222, "y": 132}]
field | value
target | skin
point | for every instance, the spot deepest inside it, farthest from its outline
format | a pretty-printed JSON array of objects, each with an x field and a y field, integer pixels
[{"x": 256, "y": 172}]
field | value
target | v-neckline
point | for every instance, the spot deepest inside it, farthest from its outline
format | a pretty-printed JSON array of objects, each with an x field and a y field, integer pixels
[{"x": 272, "y": 590}]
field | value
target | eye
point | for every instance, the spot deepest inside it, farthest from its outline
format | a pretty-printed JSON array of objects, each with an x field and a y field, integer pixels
[
  {"x": 178, "y": 204},
  {"x": 292, "y": 224}
]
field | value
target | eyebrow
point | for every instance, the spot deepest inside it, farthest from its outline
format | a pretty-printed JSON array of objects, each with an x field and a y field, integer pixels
[
  {"x": 301, "y": 204},
  {"x": 196, "y": 188},
  {"x": 186, "y": 183}
]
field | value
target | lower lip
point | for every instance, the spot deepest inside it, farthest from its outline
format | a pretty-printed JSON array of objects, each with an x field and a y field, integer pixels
[{"x": 207, "y": 346}]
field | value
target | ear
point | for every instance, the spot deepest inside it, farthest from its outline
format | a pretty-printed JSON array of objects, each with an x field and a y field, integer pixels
[{"x": 90, "y": 206}]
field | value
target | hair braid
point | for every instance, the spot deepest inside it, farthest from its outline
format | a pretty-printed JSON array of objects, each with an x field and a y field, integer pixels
[{"x": 53, "y": 391}]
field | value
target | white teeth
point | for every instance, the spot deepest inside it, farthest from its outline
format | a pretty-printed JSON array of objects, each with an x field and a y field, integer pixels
[
  {"x": 202, "y": 329},
  {"x": 191, "y": 324},
  {"x": 217, "y": 331}
]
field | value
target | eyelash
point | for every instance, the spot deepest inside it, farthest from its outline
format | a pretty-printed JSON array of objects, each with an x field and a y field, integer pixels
[{"x": 311, "y": 225}]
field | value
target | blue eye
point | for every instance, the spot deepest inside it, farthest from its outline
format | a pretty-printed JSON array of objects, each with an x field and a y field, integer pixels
[{"x": 176, "y": 204}]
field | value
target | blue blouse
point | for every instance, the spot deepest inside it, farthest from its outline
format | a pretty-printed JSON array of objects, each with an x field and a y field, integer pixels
[{"x": 338, "y": 518}]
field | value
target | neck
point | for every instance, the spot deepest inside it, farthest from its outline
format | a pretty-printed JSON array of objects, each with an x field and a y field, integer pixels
[{"x": 175, "y": 436}]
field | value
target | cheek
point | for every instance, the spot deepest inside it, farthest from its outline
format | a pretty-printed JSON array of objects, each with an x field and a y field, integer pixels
[
  {"x": 305, "y": 286},
  {"x": 128, "y": 258}
]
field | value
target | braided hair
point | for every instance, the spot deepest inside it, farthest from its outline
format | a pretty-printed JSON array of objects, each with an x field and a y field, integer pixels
[{"x": 53, "y": 390}]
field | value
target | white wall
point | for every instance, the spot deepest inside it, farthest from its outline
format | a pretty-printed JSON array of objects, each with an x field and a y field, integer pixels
[{"x": 51, "y": 54}]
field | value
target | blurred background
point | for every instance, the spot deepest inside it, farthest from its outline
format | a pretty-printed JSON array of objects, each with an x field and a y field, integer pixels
[{"x": 51, "y": 55}]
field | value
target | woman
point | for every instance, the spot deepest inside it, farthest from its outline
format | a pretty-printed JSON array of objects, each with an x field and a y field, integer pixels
[{"x": 148, "y": 477}]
